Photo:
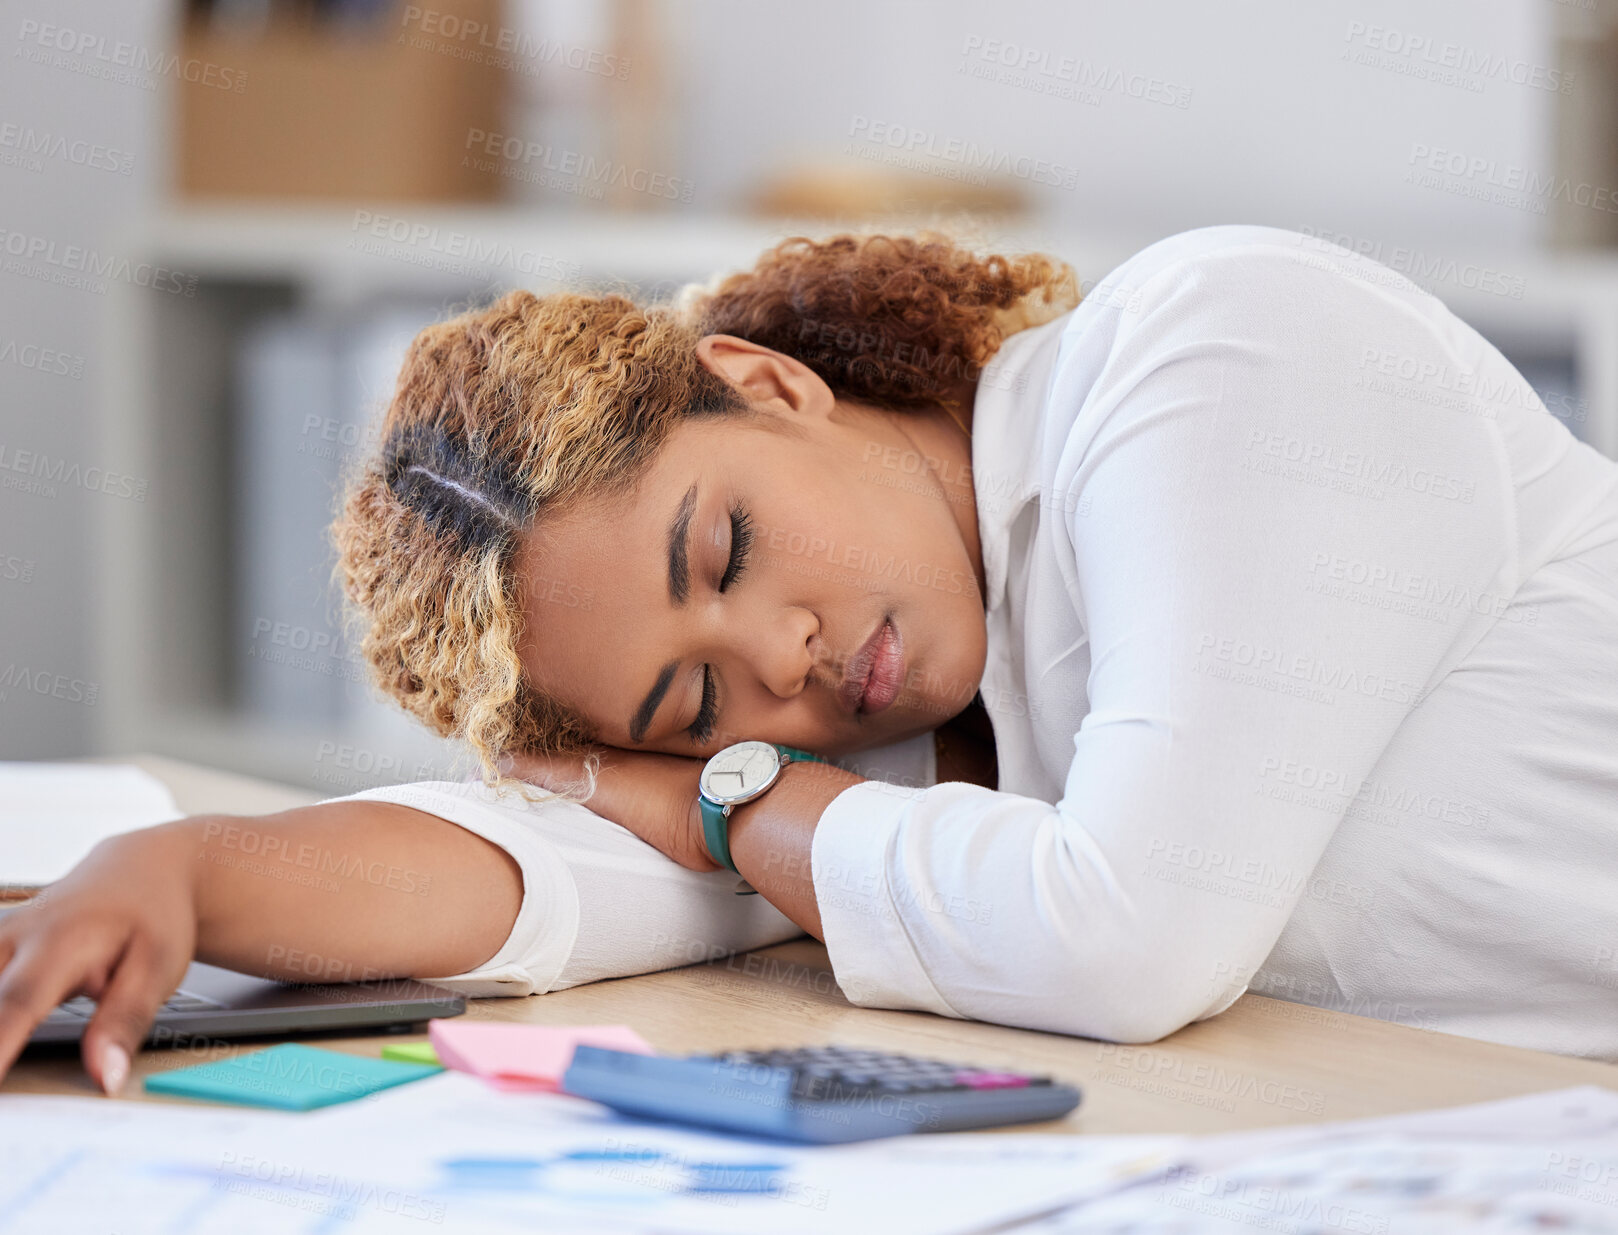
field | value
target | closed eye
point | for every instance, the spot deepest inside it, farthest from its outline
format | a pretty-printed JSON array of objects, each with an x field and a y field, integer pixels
[
  {"x": 701, "y": 729},
  {"x": 741, "y": 545}
]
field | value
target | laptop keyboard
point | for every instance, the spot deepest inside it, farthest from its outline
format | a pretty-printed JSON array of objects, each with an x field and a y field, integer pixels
[{"x": 181, "y": 1001}]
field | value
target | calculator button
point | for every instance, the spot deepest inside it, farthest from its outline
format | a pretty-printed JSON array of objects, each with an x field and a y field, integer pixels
[
  {"x": 816, "y": 1089},
  {"x": 991, "y": 1080}
]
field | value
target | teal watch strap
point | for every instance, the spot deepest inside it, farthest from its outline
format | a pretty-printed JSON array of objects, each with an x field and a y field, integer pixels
[
  {"x": 716, "y": 833},
  {"x": 716, "y": 818},
  {"x": 796, "y": 755}
]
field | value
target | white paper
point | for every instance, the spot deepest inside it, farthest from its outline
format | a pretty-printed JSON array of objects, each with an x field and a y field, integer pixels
[
  {"x": 1539, "y": 1162},
  {"x": 52, "y": 814},
  {"x": 449, "y": 1154},
  {"x": 565, "y": 1155},
  {"x": 1583, "y": 1112},
  {"x": 1375, "y": 1185}
]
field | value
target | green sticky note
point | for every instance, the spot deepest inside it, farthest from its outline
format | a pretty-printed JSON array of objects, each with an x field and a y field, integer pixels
[
  {"x": 288, "y": 1077},
  {"x": 411, "y": 1052}
]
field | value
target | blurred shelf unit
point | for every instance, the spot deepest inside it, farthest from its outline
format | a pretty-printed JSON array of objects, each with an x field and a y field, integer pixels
[{"x": 173, "y": 633}]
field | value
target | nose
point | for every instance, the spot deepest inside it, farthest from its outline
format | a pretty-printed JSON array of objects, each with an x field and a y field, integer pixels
[{"x": 784, "y": 656}]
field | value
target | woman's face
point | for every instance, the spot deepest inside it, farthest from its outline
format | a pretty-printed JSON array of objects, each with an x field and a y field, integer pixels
[{"x": 730, "y": 594}]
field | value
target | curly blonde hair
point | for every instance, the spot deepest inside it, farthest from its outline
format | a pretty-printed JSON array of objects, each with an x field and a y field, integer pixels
[{"x": 537, "y": 402}]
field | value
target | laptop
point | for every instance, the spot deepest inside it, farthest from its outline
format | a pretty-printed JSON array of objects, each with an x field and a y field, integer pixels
[{"x": 219, "y": 1003}]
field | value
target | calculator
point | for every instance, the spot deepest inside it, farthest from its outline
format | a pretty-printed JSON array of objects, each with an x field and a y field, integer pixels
[{"x": 820, "y": 1095}]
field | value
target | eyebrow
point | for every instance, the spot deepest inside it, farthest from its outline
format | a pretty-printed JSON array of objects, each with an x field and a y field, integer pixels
[
  {"x": 679, "y": 592},
  {"x": 679, "y": 560},
  {"x": 649, "y": 705}
]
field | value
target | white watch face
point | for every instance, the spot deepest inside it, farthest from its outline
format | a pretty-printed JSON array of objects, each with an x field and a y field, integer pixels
[{"x": 740, "y": 772}]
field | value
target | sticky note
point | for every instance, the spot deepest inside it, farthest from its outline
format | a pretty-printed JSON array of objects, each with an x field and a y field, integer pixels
[
  {"x": 523, "y": 1058},
  {"x": 289, "y": 1077},
  {"x": 420, "y": 1051}
]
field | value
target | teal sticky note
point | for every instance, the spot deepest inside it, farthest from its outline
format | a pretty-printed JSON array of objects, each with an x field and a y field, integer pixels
[{"x": 288, "y": 1077}]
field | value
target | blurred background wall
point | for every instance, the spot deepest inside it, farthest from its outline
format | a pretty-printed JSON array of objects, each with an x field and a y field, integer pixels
[
  {"x": 1249, "y": 110},
  {"x": 46, "y": 543},
  {"x": 221, "y": 221}
]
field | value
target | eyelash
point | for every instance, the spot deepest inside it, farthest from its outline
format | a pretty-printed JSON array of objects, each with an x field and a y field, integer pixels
[
  {"x": 708, "y": 714},
  {"x": 741, "y": 544}
]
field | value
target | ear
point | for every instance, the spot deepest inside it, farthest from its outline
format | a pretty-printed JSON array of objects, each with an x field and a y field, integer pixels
[{"x": 766, "y": 376}]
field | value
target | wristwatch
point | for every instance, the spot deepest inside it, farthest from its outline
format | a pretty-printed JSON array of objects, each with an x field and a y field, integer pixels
[{"x": 735, "y": 775}]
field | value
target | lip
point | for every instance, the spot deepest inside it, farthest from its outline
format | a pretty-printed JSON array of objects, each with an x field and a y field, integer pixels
[{"x": 874, "y": 674}]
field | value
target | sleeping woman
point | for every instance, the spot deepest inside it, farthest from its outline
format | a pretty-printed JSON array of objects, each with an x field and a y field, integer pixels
[{"x": 1076, "y": 665}]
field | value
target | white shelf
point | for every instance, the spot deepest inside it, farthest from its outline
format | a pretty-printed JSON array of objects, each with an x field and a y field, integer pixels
[
  {"x": 1568, "y": 301},
  {"x": 339, "y": 248}
]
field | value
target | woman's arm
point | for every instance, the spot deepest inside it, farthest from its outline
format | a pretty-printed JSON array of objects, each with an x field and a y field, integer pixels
[
  {"x": 771, "y": 836},
  {"x": 1230, "y": 456},
  {"x": 655, "y": 796},
  {"x": 344, "y": 891},
  {"x": 349, "y": 892}
]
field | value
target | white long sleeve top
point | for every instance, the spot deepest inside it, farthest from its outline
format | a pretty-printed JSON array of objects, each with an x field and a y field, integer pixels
[{"x": 1303, "y": 672}]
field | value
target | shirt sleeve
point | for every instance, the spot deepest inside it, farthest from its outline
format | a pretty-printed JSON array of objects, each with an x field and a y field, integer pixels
[
  {"x": 1230, "y": 457},
  {"x": 598, "y": 902}
]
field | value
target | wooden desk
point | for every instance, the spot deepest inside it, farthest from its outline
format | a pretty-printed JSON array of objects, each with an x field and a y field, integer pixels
[{"x": 1264, "y": 1062}]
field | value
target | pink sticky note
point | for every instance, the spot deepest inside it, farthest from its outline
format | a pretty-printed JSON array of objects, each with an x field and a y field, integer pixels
[{"x": 523, "y": 1058}]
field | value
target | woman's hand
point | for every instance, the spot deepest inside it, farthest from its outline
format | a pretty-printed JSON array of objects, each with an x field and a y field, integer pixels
[
  {"x": 120, "y": 928},
  {"x": 653, "y": 795}
]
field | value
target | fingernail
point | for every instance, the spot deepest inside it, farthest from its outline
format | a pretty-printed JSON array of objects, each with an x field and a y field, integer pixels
[{"x": 114, "y": 1068}]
